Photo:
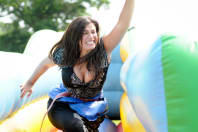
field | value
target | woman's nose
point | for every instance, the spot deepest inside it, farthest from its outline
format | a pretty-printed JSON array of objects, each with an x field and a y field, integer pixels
[{"x": 91, "y": 36}]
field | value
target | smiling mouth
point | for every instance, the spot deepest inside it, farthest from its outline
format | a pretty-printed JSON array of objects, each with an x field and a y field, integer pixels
[{"x": 91, "y": 43}]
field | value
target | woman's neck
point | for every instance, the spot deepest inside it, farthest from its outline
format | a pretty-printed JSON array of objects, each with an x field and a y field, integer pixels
[{"x": 83, "y": 53}]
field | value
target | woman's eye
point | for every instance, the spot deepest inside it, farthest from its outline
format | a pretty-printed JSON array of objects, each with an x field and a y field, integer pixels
[
  {"x": 93, "y": 32},
  {"x": 85, "y": 32}
]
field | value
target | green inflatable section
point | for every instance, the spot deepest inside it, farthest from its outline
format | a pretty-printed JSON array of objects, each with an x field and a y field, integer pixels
[{"x": 180, "y": 60}]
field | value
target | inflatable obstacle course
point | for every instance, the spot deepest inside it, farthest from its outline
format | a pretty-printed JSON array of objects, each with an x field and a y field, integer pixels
[
  {"x": 161, "y": 83},
  {"x": 29, "y": 118}
]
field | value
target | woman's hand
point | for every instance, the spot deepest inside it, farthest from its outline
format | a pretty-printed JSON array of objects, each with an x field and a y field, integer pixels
[
  {"x": 45, "y": 64},
  {"x": 26, "y": 89}
]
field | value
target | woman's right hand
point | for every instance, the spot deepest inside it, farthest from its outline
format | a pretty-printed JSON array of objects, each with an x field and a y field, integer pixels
[{"x": 26, "y": 89}]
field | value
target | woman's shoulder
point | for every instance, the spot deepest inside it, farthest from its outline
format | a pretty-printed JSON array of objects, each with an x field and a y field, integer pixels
[{"x": 105, "y": 62}]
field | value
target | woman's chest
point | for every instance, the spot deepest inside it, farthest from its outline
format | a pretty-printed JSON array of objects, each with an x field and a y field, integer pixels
[
  {"x": 83, "y": 74},
  {"x": 71, "y": 79},
  {"x": 76, "y": 77}
]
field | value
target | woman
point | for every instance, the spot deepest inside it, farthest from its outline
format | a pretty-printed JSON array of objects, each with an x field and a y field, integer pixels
[{"x": 78, "y": 105}]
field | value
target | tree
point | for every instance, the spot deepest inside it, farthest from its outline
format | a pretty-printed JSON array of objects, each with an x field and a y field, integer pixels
[{"x": 29, "y": 16}]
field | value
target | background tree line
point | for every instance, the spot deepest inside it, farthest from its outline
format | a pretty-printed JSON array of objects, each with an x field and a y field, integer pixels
[{"x": 29, "y": 16}]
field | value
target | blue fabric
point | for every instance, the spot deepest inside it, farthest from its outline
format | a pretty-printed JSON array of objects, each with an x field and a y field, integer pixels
[{"x": 90, "y": 110}]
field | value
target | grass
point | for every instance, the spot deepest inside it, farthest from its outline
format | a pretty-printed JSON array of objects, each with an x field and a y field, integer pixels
[{"x": 116, "y": 122}]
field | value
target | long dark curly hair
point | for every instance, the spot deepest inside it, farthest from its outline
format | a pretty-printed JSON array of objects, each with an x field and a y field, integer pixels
[{"x": 70, "y": 43}]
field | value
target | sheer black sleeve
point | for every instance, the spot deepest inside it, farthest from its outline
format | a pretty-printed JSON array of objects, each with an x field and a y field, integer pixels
[{"x": 57, "y": 56}]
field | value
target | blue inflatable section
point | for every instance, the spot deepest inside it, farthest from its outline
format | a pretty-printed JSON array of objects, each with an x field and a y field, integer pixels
[
  {"x": 112, "y": 88},
  {"x": 143, "y": 77},
  {"x": 107, "y": 126}
]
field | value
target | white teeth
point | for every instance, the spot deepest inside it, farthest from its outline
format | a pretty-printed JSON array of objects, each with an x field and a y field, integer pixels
[{"x": 91, "y": 42}]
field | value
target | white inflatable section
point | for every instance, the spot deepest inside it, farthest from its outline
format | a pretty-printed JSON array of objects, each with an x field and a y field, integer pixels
[
  {"x": 41, "y": 42},
  {"x": 15, "y": 69}
]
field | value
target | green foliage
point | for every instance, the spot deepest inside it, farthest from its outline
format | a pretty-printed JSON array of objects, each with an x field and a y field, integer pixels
[
  {"x": 13, "y": 38},
  {"x": 29, "y": 16}
]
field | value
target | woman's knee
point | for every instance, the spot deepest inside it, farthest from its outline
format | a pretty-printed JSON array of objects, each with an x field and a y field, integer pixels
[
  {"x": 75, "y": 125},
  {"x": 66, "y": 119}
]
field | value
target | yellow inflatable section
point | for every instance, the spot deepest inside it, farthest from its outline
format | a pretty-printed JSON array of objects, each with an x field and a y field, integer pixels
[
  {"x": 29, "y": 118},
  {"x": 124, "y": 48},
  {"x": 130, "y": 122},
  {"x": 127, "y": 44}
]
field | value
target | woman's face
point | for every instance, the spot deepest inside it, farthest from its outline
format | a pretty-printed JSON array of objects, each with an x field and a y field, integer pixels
[{"x": 89, "y": 39}]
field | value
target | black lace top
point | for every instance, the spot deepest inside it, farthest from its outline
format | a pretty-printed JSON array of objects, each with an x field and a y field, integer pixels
[{"x": 74, "y": 85}]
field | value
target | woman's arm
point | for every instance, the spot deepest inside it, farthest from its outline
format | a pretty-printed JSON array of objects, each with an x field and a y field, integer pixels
[
  {"x": 114, "y": 37},
  {"x": 44, "y": 65}
]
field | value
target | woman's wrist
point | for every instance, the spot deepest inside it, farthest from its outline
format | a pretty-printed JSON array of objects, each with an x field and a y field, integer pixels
[{"x": 30, "y": 82}]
